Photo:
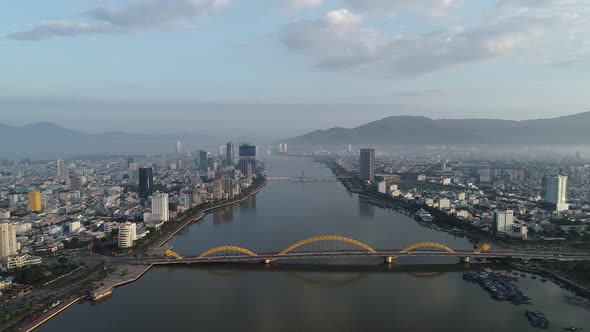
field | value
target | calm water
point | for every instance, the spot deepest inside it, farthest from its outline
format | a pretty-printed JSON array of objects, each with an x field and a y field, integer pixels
[{"x": 362, "y": 296}]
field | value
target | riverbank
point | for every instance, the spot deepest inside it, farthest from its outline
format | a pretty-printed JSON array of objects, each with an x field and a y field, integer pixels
[
  {"x": 197, "y": 216},
  {"x": 354, "y": 186},
  {"x": 122, "y": 274},
  {"x": 50, "y": 314}
]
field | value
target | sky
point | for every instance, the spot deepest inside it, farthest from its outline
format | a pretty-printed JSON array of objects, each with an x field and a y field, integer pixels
[{"x": 277, "y": 68}]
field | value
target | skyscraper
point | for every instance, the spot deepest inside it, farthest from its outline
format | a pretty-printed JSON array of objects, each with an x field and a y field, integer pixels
[
  {"x": 130, "y": 160},
  {"x": 247, "y": 157},
  {"x": 62, "y": 171},
  {"x": 146, "y": 182},
  {"x": 203, "y": 163},
  {"x": 8, "y": 245},
  {"x": 160, "y": 209},
  {"x": 503, "y": 221},
  {"x": 217, "y": 190},
  {"x": 283, "y": 148},
  {"x": 229, "y": 150},
  {"x": 556, "y": 192},
  {"x": 178, "y": 148},
  {"x": 34, "y": 201},
  {"x": 367, "y": 164}
]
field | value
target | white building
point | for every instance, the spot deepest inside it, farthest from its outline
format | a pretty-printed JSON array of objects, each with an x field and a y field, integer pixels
[
  {"x": 160, "y": 210},
  {"x": 444, "y": 203},
  {"x": 421, "y": 177},
  {"x": 127, "y": 234},
  {"x": 503, "y": 221},
  {"x": 283, "y": 148},
  {"x": 74, "y": 226},
  {"x": 555, "y": 192},
  {"x": 16, "y": 262},
  {"x": 8, "y": 244},
  {"x": 62, "y": 171},
  {"x": 382, "y": 187}
]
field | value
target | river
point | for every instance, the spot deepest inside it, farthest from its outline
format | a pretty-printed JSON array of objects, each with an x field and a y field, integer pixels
[{"x": 359, "y": 295}]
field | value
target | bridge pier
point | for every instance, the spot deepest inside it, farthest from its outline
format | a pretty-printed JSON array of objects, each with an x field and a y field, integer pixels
[
  {"x": 388, "y": 259},
  {"x": 465, "y": 259}
]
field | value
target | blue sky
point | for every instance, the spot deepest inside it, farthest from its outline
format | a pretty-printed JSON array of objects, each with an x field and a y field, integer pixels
[{"x": 284, "y": 67}]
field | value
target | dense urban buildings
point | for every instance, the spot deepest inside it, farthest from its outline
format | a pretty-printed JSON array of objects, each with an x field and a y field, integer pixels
[{"x": 367, "y": 164}]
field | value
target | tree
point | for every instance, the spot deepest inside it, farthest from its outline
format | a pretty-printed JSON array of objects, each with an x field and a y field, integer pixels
[{"x": 62, "y": 260}]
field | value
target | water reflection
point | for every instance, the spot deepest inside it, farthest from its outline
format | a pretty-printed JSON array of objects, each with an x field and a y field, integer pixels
[
  {"x": 223, "y": 215},
  {"x": 366, "y": 209}
]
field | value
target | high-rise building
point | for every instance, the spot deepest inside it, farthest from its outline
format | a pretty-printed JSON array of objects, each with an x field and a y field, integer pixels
[
  {"x": 178, "y": 148},
  {"x": 203, "y": 162},
  {"x": 217, "y": 190},
  {"x": 62, "y": 171},
  {"x": 229, "y": 150},
  {"x": 160, "y": 210},
  {"x": 76, "y": 183},
  {"x": 8, "y": 244},
  {"x": 247, "y": 157},
  {"x": 146, "y": 182},
  {"x": 283, "y": 148},
  {"x": 367, "y": 164},
  {"x": 35, "y": 201},
  {"x": 130, "y": 161},
  {"x": 127, "y": 234},
  {"x": 503, "y": 221},
  {"x": 556, "y": 192},
  {"x": 228, "y": 187}
]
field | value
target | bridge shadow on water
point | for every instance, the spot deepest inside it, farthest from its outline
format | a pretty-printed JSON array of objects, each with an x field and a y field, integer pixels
[{"x": 338, "y": 275}]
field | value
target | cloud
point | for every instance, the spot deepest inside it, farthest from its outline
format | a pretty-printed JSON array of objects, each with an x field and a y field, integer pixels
[
  {"x": 134, "y": 16},
  {"x": 335, "y": 41},
  {"x": 389, "y": 7},
  {"x": 343, "y": 40},
  {"x": 301, "y": 4}
]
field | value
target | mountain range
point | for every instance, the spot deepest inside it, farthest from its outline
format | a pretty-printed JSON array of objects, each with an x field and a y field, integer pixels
[
  {"x": 44, "y": 140},
  {"x": 423, "y": 131}
]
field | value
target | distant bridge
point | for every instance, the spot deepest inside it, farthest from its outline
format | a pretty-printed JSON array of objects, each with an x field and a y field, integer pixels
[
  {"x": 339, "y": 246},
  {"x": 302, "y": 179}
]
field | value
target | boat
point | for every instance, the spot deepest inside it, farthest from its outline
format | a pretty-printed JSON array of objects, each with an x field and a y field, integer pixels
[
  {"x": 424, "y": 215},
  {"x": 537, "y": 319}
]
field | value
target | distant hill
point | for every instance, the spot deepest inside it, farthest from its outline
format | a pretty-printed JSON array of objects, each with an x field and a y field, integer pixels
[
  {"x": 44, "y": 140},
  {"x": 421, "y": 131}
]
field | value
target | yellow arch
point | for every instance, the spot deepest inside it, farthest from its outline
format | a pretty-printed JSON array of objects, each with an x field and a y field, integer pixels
[
  {"x": 170, "y": 253},
  {"x": 326, "y": 238},
  {"x": 227, "y": 248},
  {"x": 427, "y": 245}
]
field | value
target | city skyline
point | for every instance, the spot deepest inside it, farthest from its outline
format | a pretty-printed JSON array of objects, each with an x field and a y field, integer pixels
[{"x": 198, "y": 60}]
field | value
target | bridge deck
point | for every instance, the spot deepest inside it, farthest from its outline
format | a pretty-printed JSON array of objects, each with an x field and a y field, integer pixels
[{"x": 379, "y": 253}]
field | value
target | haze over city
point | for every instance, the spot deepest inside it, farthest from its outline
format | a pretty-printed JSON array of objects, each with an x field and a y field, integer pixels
[
  {"x": 295, "y": 165},
  {"x": 231, "y": 67}
]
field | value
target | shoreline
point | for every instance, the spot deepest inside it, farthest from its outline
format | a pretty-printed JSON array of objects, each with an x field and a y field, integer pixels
[
  {"x": 139, "y": 270},
  {"x": 559, "y": 280},
  {"x": 200, "y": 215}
]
